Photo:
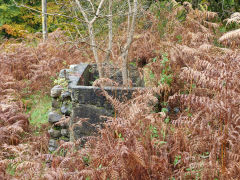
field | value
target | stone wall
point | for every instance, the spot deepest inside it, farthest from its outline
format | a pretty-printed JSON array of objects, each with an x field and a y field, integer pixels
[{"x": 81, "y": 100}]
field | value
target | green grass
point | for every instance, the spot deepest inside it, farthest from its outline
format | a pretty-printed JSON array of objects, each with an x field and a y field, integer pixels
[
  {"x": 38, "y": 108},
  {"x": 39, "y": 112}
]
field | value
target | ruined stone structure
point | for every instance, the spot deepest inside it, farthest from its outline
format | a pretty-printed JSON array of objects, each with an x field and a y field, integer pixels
[{"x": 81, "y": 100}]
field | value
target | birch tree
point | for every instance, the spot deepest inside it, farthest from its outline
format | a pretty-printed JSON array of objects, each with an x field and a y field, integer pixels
[
  {"x": 132, "y": 13},
  {"x": 91, "y": 32},
  {"x": 44, "y": 19},
  {"x": 131, "y": 18},
  {"x": 110, "y": 31},
  {"x": 93, "y": 15}
]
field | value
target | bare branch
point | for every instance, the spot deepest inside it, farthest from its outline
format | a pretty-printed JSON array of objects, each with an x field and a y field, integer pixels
[
  {"x": 97, "y": 13},
  {"x": 129, "y": 15},
  {"x": 51, "y": 14},
  {"x": 92, "y": 5},
  {"x": 82, "y": 11}
]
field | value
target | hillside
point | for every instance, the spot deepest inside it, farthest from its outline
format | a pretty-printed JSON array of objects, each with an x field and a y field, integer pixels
[{"x": 186, "y": 126}]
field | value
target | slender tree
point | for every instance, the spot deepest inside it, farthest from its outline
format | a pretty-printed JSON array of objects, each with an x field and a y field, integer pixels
[
  {"x": 91, "y": 32},
  {"x": 96, "y": 16},
  {"x": 44, "y": 19},
  {"x": 130, "y": 32},
  {"x": 110, "y": 30}
]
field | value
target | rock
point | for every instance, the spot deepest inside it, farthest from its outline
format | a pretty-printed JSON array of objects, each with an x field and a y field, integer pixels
[
  {"x": 64, "y": 125},
  {"x": 73, "y": 67},
  {"x": 51, "y": 148},
  {"x": 54, "y": 117},
  {"x": 64, "y": 73},
  {"x": 176, "y": 110},
  {"x": 77, "y": 71},
  {"x": 54, "y": 133},
  {"x": 65, "y": 109},
  {"x": 65, "y": 132},
  {"x": 66, "y": 95},
  {"x": 56, "y": 91},
  {"x": 53, "y": 142},
  {"x": 56, "y": 103},
  {"x": 52, "y": 145}
]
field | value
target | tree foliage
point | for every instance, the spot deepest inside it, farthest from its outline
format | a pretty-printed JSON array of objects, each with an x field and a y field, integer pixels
[
  {"x": 18, "y": 21},
  {"x": 223, "y": 8}
]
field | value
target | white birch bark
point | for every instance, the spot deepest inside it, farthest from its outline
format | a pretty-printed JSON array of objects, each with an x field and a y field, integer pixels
[
  {"x": 131, "y": 30},
  {"x": 91, "y": 33},
  {"x": 44, "y": 19},
  {"x": 95, "y": 50},
  {"x": 110, "y": 31}
]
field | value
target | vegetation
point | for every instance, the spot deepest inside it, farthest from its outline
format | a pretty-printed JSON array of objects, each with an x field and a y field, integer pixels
[
  {"x": 191, "y": 130},
  {"x": 18, "y": 22},
  {"x": 39, "y": 110}
]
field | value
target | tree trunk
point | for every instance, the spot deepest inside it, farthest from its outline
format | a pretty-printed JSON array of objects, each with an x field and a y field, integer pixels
[
  {"x": 125, "y": 68},
  {"x": 91, "y": 33},
  {"x": 131, "y": 30},
  {"x": 95, "y": 50},
  {"x": 110, "y": 32},
  {"x": 44, "y": 19}
]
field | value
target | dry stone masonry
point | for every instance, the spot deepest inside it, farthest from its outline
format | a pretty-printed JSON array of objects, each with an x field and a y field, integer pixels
[{"x": 81, "y": 100}]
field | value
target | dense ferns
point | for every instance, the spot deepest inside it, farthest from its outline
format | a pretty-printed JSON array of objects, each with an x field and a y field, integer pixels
[{"x": 199, "y": 141}]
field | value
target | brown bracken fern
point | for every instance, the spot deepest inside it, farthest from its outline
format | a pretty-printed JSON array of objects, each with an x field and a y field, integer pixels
[{"x": 194, "y": 134}]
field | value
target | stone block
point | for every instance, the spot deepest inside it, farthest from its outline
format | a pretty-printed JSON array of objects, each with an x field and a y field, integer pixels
[
  {"x": 66, "y": 109},
  {"x": 56, "y": 91},
  {"x": 54, "y": 133},
  {"x": 65, "y": 132},
  {"x": 64, "y": 73},
  {"x": 56, "y": 104},
  {"x": 52, "y": 145},
  {"x": 54, "y": 117},
  {"x": 77, "y": 72},
  {"x": 94, "y": 95},
  {"x": 64, "y": 125},
  {"x": 65, "y": 96}
]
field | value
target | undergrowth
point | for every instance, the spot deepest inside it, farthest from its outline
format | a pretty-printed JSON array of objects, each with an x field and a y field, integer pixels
[
  {"x": 39, "y": 109},
  {"x": 194, "y": 135}
]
